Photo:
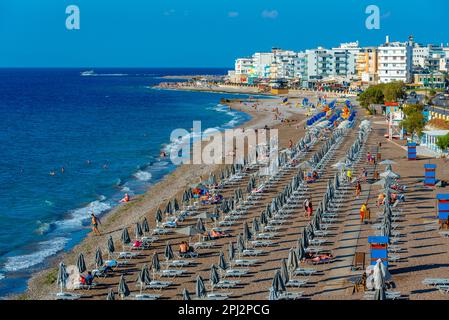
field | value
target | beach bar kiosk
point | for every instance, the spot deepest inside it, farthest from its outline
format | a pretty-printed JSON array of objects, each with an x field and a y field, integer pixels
[
  {"x": 378, "y": 249},
  {"x": 430, "y": 175},
  {"x": 443, "y": 208},
  {"x": 411, "y": 151}
]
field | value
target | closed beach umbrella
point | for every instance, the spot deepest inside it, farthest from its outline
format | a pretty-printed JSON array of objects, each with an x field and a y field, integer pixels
[
  {"x": 379, "y": 282},
  {"x": 145, "y": 225},
  {"x": 255, "y": 226},
  {"x": 284, "y": 271},
  {"x": 175, "y": 204},
  {"x": 222, "y": 262},
  {"x": 292, "y": 261},
  {"x": 231, "y": 251},
  {"x": 81, "y": 264},
  {"x": 98, "y": 258},
  {"x": 263, "y": 219},
  {"x": 168, "y": 208},
  {"x": 111, "y": 295},
  {"x": 273, "y": 294},
  {"x": 186, "y": 295},
  {"x": 301, "y": 251},
  {"x": 123, "y": 289},
  {"x": 155, "y": 265},
  {"x": 168, "y": 252},
  {"x": 138, "y": 230},
  {"x": 240, "y": 244},
  {"x": 62, "y": 276},
  {"x": 111, "y": 247},
  {"x": 246, "y": 232},
  {"x": 125, "y": 237},
  {"x": 158, "y": 216},
  {"x": 200, "y": 288},
  {"x": 200, "y": 225},
  {"x": 305, "y": 238},
  {"x": 214, "y": 277},
  {"x": 144, "y": 277},
  {"x": 278, "y": 283}
]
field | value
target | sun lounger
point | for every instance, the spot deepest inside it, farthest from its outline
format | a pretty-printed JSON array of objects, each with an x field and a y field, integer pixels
[
  {"x": 171, "y": 273},
  {"x": 321, "y": 233},
  {"x": 245, "y": 262},
  {"x": 203, "y": 245},
  {"x": 176, "y": 263},
  {"x": 235, "y": 273},
  {"x": 436, "y": 281},
  {"x": 190, "y": 254},
  {"x": 290, "y": 295},
  {"x": 127, "y": 255},
  {"x": 170, "y": 224},
  {"x": 226, "y": 223},
  {"x": 226, "y": 284},
  {"x": 82, "y": 286},
  {"x": 149, "y": 239},
  {"x": 390, "y": 295},
  {"x": 147, "y": 296},
  {"x": 317, "y": 242},
  {"x": 394, "y": 258},
  {"x": 304, "y": 271},
  {"x": 444, "y": 233},
  {"x": 266, "y": 235},
  {"x": 444, "y": 289},
  {"x": 217, "y": 296},
  {"x": 259, "y": 243},
  {"x": 158, "y": 285},
  {"x": 160, "y": 231},
  {"x": 252, "y": 252},
  {"x": 270, "y": 228},
  {"x": 67, "y": 296},
  {"x": 295, "y": 283}
]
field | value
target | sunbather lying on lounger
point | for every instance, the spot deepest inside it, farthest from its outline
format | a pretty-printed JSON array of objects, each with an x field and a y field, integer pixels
[
  {"x": 87, "y": 279},
  {"x": 185, "y": 248},
  {"x": 215, "y": 234},
  {"x": 319, "y": 258}
]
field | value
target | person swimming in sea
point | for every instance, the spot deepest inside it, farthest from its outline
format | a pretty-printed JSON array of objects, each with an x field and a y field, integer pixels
[
  {"x": 163, "y": 154},
  {"x": 52, "y": 173}
]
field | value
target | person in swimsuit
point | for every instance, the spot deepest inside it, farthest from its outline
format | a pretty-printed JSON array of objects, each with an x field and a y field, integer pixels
[{"x": 94, "y": 222}]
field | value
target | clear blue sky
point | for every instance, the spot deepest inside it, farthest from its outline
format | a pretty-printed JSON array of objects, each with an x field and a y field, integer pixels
[{"x": 199, "y": 33}]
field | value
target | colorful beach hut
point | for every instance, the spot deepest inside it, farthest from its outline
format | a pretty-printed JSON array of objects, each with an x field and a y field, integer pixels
[
  {"x": 411, "y": 151},
  {"x": 430, "y": 175},
  {"x": 378, "y": 249}
]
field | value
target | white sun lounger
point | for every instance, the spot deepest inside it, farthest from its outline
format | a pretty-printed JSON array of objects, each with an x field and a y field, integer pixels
[
  {"x": 160, "y": 231},
  {"x": 444, "y": 233},
  {"x": 290, "y": 295},
  {"x": 252, "y": 252},
  {"x": 436, "y": 281},
  {"x": 127, "y": 255},
  {"x": 236, "y": 273},
  {"x": 444, "y": 289},
  {"x": 226, "y": 284},
  {"x": 271, "y": 228},
  {"x": 176, "y": 263},
  {"x": 295, "y": 283},
  {"x": 245, "y": 262},
  {"x": 147, "y": 296},
  {"x": 67, "y": 296},
  {"x": 266, "y": 235},
  {"x": 149, "y": 239},
  {"x": 217, "y": 296},
  {"x": 158, "y": 285},
  {"x": 258, "y": 243},
  {"x": 171, "y": 273},
  {"x": 305, "y": 271},
  {"x": 318, "y": 242},
  {"x": 203, "y": 245},
  {"x": 390, "y": 295}
]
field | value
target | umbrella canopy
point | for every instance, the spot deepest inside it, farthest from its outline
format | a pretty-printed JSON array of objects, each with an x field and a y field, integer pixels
[
  {"x": 145, "y": 225},
  {"x": 138, "y": 230},
  {"x": 111, "y": 248},
  {"x": 231, "y": 251},
  {"x": 292, "y": 261},
  {"x": 123, "y": 289},
  {"x": 200, "y": 288},
  {"x": 158, "y": 216},
  {"x": 62, "y": 276},
  {"x": 214, "y": 277},
  {"x": 379, "y": 282},
  {"x": 125, "y": 237},
  {"x": 175, "y": 204},
  {"x": 81, "y": 264},
  {"x": 284, "y": 271},
  {"x": 168, "y": 252},
  {"x": 98, "y": 258},
  {"x": 240, "y": 244},
  {"x": 300, "y": 250},
  {"x": 155, "y": 264},
  {"x": 305, "y": 238},
  {"x": 188, "y": 231},
  {"x": 273, "y": 294},
  {"x": 278, "y": 283},
  {"x": 185, "y": 295},
  {"x": 263, "y": 219},
  {"x": 255, "y": 226},
  {"x": 381, "y": 183},
  {"x": 168, "y": 208},
  {"x": 222, "y": 264},
  {"x": 144, "y": 276},
  {"x": 200, "y": 226},
  {"x": 111, "y": 295},
  {"x": 246, "y": 232}
]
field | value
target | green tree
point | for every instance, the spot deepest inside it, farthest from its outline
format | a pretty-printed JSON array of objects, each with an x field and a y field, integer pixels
[
  {"x": 414, "y": 124},
  {"x": 443, "y": 143},
  {"x": 393, "y": 91},
  {"x": 372, "y": 95},
  {"x": 411, "y": 108}
]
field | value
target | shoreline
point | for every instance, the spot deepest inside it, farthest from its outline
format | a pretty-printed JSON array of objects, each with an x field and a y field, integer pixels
[{"x": 41, "y": 282}]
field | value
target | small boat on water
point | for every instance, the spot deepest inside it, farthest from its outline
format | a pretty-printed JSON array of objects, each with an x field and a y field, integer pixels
[{"x": 88, "y": 73}]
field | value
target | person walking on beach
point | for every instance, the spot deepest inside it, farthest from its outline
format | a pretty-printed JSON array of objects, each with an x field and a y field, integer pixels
[
  {"x": 349, "y": 175},
  {"x": 364, "y": 175},
  {"x": 363, "y": 211},
  {"x": 358, "y": 189},
  {"x": 306, "y": 206},
  {"x": 94, "y": 222}
]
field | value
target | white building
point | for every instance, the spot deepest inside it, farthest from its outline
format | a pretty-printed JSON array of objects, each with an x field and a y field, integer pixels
[
  {"x": 320, "y": 63},
  {"x": 243, "y": 69},
  {"x": 262, "y": 62},
  {"x": 283, "y": 66},
  {"x": 395, "y": 62},
  {"x": 352, "y": 51}
]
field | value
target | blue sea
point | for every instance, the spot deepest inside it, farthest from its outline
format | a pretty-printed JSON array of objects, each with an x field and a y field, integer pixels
[{"x": 105, "y": 130}]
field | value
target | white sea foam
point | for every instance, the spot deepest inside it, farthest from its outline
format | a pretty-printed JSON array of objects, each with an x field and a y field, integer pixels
[
  {"x": 142, "y": 175},
  {"x": 2, "y": 276},
  {"x": 76, "y": 218},
  {"x": 45, "y": 249}
]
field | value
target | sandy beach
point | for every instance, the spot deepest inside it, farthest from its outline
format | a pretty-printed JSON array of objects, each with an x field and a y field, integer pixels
[{"x": 422, "y": 252}]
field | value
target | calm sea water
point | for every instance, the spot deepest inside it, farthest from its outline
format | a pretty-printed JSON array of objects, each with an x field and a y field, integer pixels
[{"x": 105, "y": 130}]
